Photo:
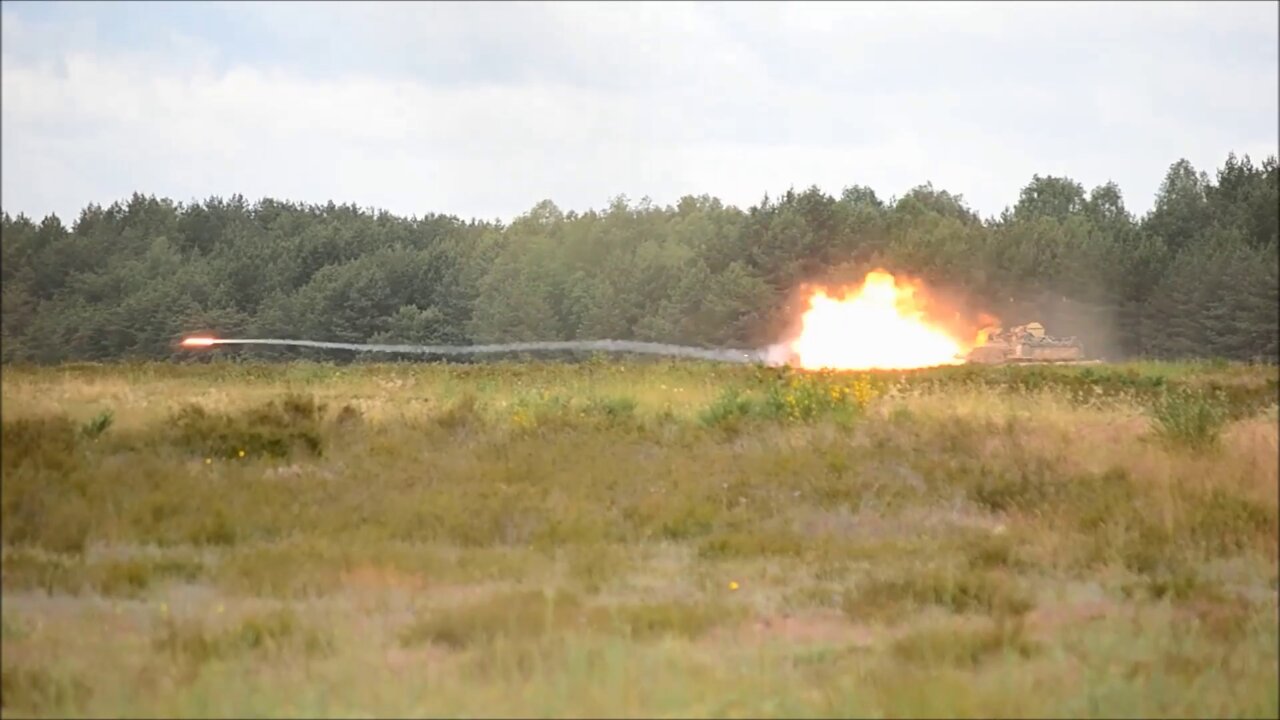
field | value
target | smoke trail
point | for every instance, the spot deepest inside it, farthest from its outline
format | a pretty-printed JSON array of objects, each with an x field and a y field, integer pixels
[{"x": 763, "y": 355}]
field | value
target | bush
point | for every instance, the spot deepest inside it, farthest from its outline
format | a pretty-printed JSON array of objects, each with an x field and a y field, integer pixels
[
  {"x": 93, "y": 429},
  {"x": 730, "y": 408},
  {"x": 39, "y": 691},
  {"x": 1189, "y": 419},
  {"x": 44, "y": 443},
  {"x": 462, "y": 413},
  {"x": 660, "y": 619},
  {"x": 276, "y": 429},
  {"x": 809, "y": 396},
  {"x": 520, "y": 615},
  {"x": 613, "y": 409},
  {"x": 960, "y": 590},
  {"x": 964, "y": 647},
  {"x": 46, "y": 478},
  {"x": 273, "y": 633}
]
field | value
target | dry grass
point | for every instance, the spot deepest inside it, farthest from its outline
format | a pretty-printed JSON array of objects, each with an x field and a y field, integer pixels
[{"x": 620, "y": 539}]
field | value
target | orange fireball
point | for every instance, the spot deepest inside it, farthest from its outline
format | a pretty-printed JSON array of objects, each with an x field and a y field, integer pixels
[{"x": 880, "y": 325}]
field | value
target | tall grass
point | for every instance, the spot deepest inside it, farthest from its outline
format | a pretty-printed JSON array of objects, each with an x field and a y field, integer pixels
[
  {"x": 1191, "y": 419},
  {"x": 644, "y": 539}
]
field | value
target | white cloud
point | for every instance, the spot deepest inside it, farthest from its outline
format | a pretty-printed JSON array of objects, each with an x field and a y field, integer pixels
[{"x": 484, "y": 110}]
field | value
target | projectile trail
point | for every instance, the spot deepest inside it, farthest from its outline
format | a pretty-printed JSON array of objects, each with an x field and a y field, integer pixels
[{"x": 764, "y": 355}]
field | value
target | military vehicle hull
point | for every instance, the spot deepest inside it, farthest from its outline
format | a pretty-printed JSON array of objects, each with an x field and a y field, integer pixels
[
  {"x": 1025, "y": 344},
  {"x": 999, "y": 355}
]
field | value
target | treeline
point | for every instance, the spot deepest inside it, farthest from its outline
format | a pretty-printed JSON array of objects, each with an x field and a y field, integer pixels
[{"x": 1196, "y": 277}]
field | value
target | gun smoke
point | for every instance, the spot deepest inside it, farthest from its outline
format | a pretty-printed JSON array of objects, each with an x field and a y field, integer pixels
[{"x": 772, "y": 355}]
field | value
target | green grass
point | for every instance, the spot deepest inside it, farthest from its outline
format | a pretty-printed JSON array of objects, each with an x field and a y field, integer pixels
[
  {"x": 639, "y": 538},
  {"x": 1190, "y": 419}
]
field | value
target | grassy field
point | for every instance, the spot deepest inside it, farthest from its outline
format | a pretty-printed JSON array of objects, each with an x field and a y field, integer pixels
[{"x": 639, "y": 538}]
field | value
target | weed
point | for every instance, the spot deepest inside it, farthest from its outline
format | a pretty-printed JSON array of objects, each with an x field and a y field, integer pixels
[
  {"x": 1223, "y": 523},
  {"x": 1177, "y": 583},
  {"x": 35, "y": 570},
  {"x": 519, "y": 615},
  {"x": 987, "y": 551},
  {"x": 38, "y": 690},
  {"x": 13, "y": 630},
  {"x": 728, "y": 410},
  {"x": 1021, "y": 489},
  {"x": 131, "y": 577},
  {"x": 530, "y": 615},
  {"x": 639, "y": 621},
  {"x": 347, "y": 417},
  {"x": 571, "y": 527},
  {"x": 95, "y": 427},
  {"x": 805, "y": 398},
  {"x": 959, "y": 590},
  {"x": 614, "y": 409},
  {"x": 191, "y": 644},
  {"x": 275, "y": 429},
  {"x": 964, "y": 646},
  {"x": 287, "y": 571},
  {"x": 591, "y": 566},
  {"x": 1224, "y": 619},
  {"x": 46, "y": 509},
  {"x": 684, "y": 521},
  {"x": 278, "y": 631},
  {"x": 41, "y": 443},
  {"x": 752, "y": 543},
  {"x": 462, "y": 413},
  {"x": 215, "y": 527},
  {"x": 1148, "y": 547},
  {"x": 1189, "y": 419}
]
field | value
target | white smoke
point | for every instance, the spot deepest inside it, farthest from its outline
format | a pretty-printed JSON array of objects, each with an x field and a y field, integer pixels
[
  {"x": 777, "y": 354},
  {"x": 772, "y": 355}
]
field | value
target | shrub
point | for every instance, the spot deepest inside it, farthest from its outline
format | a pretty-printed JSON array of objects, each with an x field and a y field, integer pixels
[
  {"x": 807, "y": 397},
  {"x": 660, "y": 619},
  {"x": 964, "y": 647},
  {"x": 728, "y": 410},
  {"x": 39, "y": 691},
  {"x": 613, "y": 409},
  {"x": 462, "y": 413},
  {"x": 43, "y": 496},
  {"x": 94, "y": 428},
  {"x": 44, "y": 443},
  {"x": 522, "y": 615},
  {"x": 131, "y": 577},
  {"x": 960, "y": 590},
  {"x": 275, "y": 429},
  {"x": 273, "y": 633},
  {"x": 1189, "y": 419}
]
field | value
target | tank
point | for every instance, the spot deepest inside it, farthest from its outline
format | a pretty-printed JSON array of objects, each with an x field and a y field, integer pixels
[{"x": 1024, "y": 344}]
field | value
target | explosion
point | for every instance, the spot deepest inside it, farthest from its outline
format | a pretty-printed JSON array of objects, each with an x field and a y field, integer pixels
[{"x": 880, "y": 325}]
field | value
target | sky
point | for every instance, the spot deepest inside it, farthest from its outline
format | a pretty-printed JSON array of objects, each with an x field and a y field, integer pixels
[{"x": 481, "y": 110}]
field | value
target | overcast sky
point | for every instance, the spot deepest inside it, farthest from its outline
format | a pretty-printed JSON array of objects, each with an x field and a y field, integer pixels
[{"x": 482, "y": 110}]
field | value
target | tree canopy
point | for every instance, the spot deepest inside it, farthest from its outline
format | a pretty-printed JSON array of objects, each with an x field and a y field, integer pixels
[{"x": 1195, "y": 277}]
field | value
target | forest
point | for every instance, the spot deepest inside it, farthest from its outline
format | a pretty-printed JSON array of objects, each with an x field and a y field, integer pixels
[{"x": 1196, "y": 277}]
